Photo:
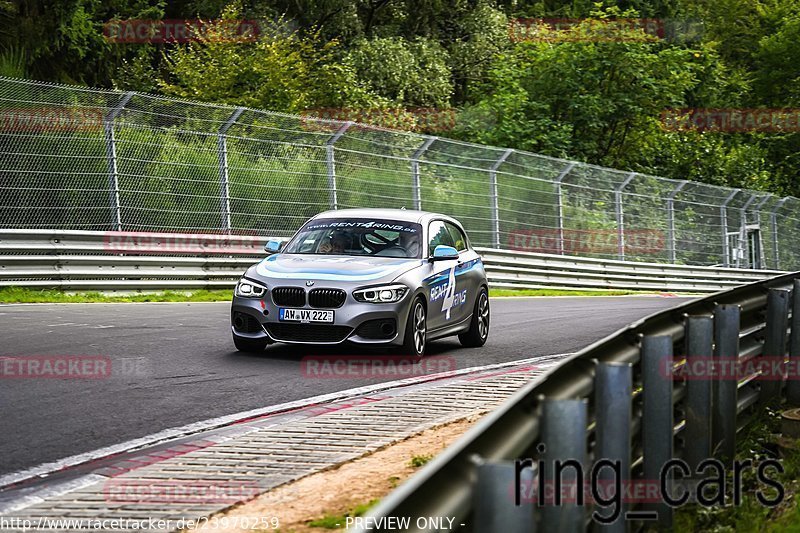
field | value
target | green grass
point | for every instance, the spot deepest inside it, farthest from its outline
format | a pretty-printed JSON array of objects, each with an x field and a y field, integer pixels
[
  {"x": 558, "y": 292},
  {"x": 19, "y": 295},
  {"x": 751, "y": 515},
  {"x": 338, "y": 521},
  {"x": 419, "y": 460}
]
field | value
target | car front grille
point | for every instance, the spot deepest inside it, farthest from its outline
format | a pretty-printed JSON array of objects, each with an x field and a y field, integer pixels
[
  {"x": 326, "y": 298},
  {"x": 308, "y": 332},
  {"x": 289, "y": 296}
]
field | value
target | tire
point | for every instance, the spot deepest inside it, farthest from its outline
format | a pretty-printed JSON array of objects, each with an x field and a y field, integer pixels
[
  {"x": 478, "y": 330},
  {"x": 249, "y": 345},
  {"x": 415, "y": 339}
]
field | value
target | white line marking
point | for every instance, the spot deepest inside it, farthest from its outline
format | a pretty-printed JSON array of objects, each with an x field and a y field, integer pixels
[{"x": 46, "y": 469}]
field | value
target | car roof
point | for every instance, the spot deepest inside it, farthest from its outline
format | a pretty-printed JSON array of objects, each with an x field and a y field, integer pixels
[{"x": 406, "y": 215}]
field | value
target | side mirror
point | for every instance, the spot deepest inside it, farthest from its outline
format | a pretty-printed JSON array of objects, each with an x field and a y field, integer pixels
[
  {"x": 273, "y": 247},
  {"x": 444, "y": 253}
]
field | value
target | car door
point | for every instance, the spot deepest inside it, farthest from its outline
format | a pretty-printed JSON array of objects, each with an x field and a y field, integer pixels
[
  {"x": 443, "y": 287},
  {"x": 469, "y": 273}
]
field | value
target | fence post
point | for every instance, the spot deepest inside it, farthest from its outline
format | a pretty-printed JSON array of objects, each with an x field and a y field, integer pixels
[
  {"x": 793, "y": 384},
  {"x": 331, "y": 163},
  {"x": 224, "y": 178},
  {"x": 564, "y": 425},
  {"x": 613, "y": 393},
  {"x": 560, "y": 205},
  {"x": 698, "y": 347},
  {"x": 416, "y": 190},
  {"x": 761, "y": 262},
  {"x": 494, "y": 197},
  {"x": 775, "y": 340},
  {"x": 743, "y": 232},
  {"x": 657, "y": 416},
  {"x": 494, "y": 495},
  {"x": 775, "y": 246},
  {"x": 671, "y": 218},
  {"x": 726, "y": 347},
  {"x": 620, "y": 217},
  {"x": 723, "y": 215},
  {"x": 111, "y": 155}
]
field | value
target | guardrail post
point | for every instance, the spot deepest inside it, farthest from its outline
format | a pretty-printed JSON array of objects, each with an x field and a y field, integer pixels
[
  {"x": 775, "y": 341},
  {"x": 493, "y": 499},
  {"x": 726, "y": 351},
  {"x": 775, "y": 246},
  {"x": 793, "y": 384},
  {"x": 699, "y": 348},
  {"x": 330, "y": 160},
  {"x": 723, "y": 215},
  {"x": 560, "y": 205},
  {"x": 620, "y": 217},
  {"x": 613, "y": 394},
  {"x": 657, "y": 415},
  {"x": 495, "y": 198},
  {"x": 111, "y": 155},
  {"x": 671, "y": 219},
  {"x": 224, "y": 178},
  {"x": 564, "y": 424},
  {"x": 415, "y": 185}
]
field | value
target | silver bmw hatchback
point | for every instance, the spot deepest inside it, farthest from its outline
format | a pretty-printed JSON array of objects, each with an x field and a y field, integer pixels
[{"x": 386, "y": 277}]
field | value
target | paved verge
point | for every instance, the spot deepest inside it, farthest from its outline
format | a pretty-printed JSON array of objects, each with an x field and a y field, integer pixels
[{"x": 163, "y": 487}]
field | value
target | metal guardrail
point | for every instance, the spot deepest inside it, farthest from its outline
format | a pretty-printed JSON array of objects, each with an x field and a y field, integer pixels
[
  {"x": 617, "y": 400},
  {"x": 96, "y": 260},
  {"x": 523, "y": 270},
  {"x": 131, "y": 260}
]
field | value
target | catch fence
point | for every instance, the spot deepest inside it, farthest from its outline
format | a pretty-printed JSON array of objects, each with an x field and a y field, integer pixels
[{"x": 78, "y": 158}]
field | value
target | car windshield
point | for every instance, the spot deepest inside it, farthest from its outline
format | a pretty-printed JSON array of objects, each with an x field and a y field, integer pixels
[{"x": 348, "y": 236}]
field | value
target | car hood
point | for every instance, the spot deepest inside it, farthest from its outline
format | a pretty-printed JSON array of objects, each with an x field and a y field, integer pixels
[{"x": 334, "y": 268}]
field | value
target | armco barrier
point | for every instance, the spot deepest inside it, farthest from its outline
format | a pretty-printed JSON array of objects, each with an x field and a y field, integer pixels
[
  {"x": 633, "y": 399},
  {"x": 77, "y": 260},
  {"x": 524, "y": 270}
]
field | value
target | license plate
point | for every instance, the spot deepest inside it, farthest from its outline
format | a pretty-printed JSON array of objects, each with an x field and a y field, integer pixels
[{"x": 305, "y": 315}]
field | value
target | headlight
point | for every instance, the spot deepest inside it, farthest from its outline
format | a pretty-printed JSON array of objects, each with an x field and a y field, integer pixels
[
  {"x": 249, "y": 289},
  {"x": 382, "y": 294}
]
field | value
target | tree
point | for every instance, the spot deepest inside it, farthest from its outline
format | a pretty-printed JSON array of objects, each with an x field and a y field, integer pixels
[
  {"x": 412, "y": 73},
  {"x": 282, "y": 71},
  {"x": 579, "y": 93}
]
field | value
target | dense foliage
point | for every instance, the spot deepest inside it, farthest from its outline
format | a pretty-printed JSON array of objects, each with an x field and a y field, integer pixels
[{"x": 592, "y": 89}]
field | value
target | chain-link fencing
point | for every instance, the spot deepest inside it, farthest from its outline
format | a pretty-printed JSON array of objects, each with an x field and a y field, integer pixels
[{"x": 81, "y": 158}]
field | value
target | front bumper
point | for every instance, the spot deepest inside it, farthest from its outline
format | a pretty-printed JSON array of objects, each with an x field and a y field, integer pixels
[{"x": 355, "y": 322}]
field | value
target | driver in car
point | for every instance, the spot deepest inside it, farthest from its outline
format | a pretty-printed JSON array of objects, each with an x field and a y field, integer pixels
[{"x": 335, "y": 244}]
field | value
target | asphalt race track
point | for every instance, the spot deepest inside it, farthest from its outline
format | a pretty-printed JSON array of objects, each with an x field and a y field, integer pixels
[{"x": 174, "y": 364}]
